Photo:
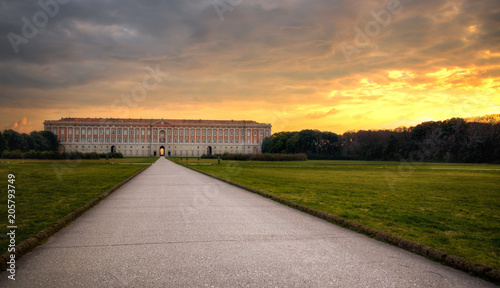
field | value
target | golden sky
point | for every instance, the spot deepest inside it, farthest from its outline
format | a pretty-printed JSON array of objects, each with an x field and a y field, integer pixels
[{"x": 327, "y": 65}]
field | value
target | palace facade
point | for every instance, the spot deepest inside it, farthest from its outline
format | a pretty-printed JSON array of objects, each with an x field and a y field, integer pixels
[{"x": 159, "y": 137}]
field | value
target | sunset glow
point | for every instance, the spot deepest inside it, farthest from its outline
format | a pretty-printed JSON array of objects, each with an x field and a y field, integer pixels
[{"x": 282, "y": 62}]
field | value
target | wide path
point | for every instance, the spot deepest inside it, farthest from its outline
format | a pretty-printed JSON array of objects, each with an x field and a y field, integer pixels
[{"x": 172, "y": 227}]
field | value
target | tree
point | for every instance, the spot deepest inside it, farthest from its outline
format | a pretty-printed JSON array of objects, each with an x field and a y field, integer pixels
[
  {"x": 3, "y": 145},
  {"x": 14, "y": 140},
  {"x": 266, "y": 145},
  {"x": 51, "y": 139}
]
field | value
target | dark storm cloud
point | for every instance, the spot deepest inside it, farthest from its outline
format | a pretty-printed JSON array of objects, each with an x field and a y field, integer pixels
[{"x": 272, "y": 51}]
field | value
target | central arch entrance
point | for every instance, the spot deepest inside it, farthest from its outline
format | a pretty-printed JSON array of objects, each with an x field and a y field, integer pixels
[
  {"x": 162, "y": 151},
  {"x": 209, "y": 150},
  {"x": 113, "y": 149}
]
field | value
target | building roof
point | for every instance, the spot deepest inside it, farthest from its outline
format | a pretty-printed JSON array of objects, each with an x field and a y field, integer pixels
[{"x": 128, "y": 121}]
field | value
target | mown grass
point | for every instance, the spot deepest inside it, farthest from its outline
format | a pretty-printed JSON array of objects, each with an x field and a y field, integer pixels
[
  {"x": 451, "y": 207},
  {"x": 47, "y": 190}
]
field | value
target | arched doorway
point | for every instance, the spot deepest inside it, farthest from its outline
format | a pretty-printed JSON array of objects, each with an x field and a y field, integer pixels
[
  {"x": 209, "y": 150},
  {"x": 162, "y": 151},
  {"x": 113, "y": 149}
]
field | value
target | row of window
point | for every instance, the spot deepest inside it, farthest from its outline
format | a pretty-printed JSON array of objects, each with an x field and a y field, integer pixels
[
  {"x": 162, "y": 140},
  {"x": 149, "y": 147},
  {"x": 101, "y": 131}
]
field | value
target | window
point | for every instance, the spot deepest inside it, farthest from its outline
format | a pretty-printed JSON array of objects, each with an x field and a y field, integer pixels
[
  {"x": 175, "y": 132},
  {"x": 209, "y": 133},
  {"x": 220, "y": 132},
  {"x": 155, "y": 132},
  {"x": 95, "y": 131},
  {"x": 225, "y": 133},
  {"x": 101, "y": 132},
  {"x": 197, "y": 132},
  {"x": 149, "y": 132},
  {"x": 113, "y": 132},
  {"x": 125, "y": 131},
  {"x": 236, "y": 132},
  {"x": 119, "y": 131},
  {"x": 231, "y": 132},
  {"x": 136, "y": 132},
  {"x": 261, "y": 133},
  {"x": 254, "y": 133},
  {"x": 180, "y": 132},
  {"x": 142, "y": 132},
  {"x": 204, "y": 132}
]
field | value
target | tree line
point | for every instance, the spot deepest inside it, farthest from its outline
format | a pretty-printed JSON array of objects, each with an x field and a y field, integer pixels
[
  {"x": 40, "y": 145},
  {"x": 453, "y": 140},
  {"x": 11, "y": 140}
]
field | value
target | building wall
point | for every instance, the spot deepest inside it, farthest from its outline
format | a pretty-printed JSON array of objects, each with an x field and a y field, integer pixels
[{"x": 138, "y": 137}]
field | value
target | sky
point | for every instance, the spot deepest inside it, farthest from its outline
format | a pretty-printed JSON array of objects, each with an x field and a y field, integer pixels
[{"x": 329, "y": 65}]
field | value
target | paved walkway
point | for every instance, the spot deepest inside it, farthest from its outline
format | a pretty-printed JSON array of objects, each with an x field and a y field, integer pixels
[{"x": 172, "y": 227}]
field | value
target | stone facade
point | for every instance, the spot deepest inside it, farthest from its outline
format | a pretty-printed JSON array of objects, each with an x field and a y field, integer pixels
[{"x": 157, "y": 137}]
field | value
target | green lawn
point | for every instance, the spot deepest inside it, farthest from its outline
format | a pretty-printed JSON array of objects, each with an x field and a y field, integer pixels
[
  {"x": 47, "y": 190},
  {"x": 451, "y": 207}
]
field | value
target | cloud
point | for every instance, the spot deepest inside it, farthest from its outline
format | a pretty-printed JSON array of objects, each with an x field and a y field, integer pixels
[
  {"x": 263, "y": 55},
  {"x": 23, "y": 125},
  {"x": 320, "y": 115}
]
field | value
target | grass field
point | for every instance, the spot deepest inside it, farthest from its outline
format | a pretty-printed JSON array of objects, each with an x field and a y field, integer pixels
[
  {"x": 451, "y": 207},
  {"x": 47, "y": 190}
]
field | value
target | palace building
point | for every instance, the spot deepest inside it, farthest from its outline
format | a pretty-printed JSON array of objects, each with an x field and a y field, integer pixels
[{"x": 159, "y": 137}]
